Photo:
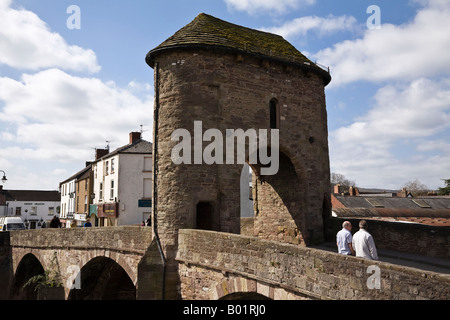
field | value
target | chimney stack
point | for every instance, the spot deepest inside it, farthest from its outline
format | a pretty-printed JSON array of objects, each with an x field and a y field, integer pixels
[
  {"x": 403, "y": 193},
  {"x": 134, "y": 136},
  {"x": 100, "y": 153}
]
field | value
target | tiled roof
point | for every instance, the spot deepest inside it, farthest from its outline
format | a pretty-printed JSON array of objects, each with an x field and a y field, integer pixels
[
  {"x": 206, "y": 31},
  {"x": 32, "y": 195},
  {"x": 77, "y": 175},
  {"x": 425, "y": 210},
  {"x": 394, "y": 202},
  {"x": 139, "y": 146}
]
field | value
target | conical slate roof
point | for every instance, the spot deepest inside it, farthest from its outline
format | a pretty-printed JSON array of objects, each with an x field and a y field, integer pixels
[{"x": 206, "y": 31}]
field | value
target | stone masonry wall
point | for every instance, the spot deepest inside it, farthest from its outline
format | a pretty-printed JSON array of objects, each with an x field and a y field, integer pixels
[
  {"x": 213, "y": 265},
  {"x": 74, "y": 248},
  {"x": 124, "y": 238}
]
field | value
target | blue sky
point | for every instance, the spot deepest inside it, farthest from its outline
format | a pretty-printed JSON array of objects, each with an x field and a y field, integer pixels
[{"x": 64, "y": 92}]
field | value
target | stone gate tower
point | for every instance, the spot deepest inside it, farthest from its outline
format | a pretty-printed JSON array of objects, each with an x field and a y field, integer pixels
[{"x": 231, "y": 77}]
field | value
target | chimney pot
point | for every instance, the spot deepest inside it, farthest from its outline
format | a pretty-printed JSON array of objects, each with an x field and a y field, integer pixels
[{"x": 134, "y": 136}]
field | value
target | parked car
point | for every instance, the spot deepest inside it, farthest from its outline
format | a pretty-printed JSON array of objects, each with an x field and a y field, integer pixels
[{"x": 11, "y": 223}]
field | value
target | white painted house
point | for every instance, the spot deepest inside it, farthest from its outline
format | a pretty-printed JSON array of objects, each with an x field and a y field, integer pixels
[
  {"x": 35, "y": 207},
  {"x": 67, "y": 189},
  {"x": 123, "y": 184}
]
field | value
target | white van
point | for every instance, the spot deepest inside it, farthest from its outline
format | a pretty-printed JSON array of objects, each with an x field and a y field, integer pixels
[{"x": 11, "y": 223}]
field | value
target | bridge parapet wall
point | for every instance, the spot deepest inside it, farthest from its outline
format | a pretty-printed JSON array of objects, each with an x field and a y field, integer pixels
[
  {"x": 126, "y": 238},
  {"x": 214, "y": 264}
]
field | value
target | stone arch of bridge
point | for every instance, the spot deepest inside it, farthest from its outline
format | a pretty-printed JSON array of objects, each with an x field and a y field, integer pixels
[
  {"x": 245, "y": 296},
  {"x": 28, "y": 266},
  {"x": 102, "y": 278},
  {"x": 20, "y": 255},
  {"x": 118, "y": 257},
  {"x": 235, "y": 287},
  {"x": 238, "y": 287},
  {"x": 70, "y": 270}
]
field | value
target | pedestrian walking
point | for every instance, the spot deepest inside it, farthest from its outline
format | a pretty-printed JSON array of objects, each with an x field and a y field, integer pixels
[
  {"x": 88, "y": 223},
  {"x": 55, "y": 223},
  {"x": 363, "y": 243},
  {"x": 344, "y": 239}
]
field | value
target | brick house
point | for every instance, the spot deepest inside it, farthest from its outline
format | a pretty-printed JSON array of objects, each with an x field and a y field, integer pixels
[{"x": 71, "y": 211}]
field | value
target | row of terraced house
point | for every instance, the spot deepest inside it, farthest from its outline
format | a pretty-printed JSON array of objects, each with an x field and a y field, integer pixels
[{"x": 115, "y": 189}]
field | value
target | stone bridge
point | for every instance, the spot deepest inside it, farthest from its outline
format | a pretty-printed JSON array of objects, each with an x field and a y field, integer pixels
[
  {"x": 123, "y": 263},
  {"x": 96, "y": 263}
]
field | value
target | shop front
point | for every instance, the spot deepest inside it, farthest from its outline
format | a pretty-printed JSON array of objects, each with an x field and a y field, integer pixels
[
  {"x": 93, "y": 215},
  {"x": 107, "y": 214}
]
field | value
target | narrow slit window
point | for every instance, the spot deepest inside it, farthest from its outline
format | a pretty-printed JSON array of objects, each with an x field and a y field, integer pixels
[{"x": 274, "y": 115}]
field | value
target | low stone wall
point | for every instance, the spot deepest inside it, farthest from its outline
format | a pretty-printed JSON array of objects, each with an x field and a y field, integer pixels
[
  {"x": 124, "y": 238},
  {"x": 213, "y": 265}
]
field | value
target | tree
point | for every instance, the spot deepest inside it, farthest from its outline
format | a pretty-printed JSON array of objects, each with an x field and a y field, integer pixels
[
  {"x": 416, "y": 188},
  {"x": 338, "y": 178},
  {"x": 445, "y": 190}
]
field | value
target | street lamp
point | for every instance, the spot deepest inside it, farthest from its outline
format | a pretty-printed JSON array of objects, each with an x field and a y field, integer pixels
[{"x": 4, "y": 176}]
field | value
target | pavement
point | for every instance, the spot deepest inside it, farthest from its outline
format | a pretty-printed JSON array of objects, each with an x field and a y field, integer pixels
[{"x": 403, "y": 258}]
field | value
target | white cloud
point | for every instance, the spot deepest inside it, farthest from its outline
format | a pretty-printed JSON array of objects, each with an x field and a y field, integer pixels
[
  {"x": 27, "y": 43},
  {"x": 439, "y": 145},
  {"x": 273, "y": 6},
  {"x": 323, "y": 26},
  {"x": 417, "y": 110},
  {"x": 391, "y": 144},
  {"x": 59, "y": 171},
  {"x": 58, "y": 116},
  {"x": 395, "y": 52}
]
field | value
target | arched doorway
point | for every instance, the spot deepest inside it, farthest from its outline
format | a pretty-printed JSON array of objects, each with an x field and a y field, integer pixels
[
  {"x": 204, "y": 216},
  {"x": 103, "y": 279},
  {"x": 28, "y": 267},
  {"x": 246, "y": 195}
]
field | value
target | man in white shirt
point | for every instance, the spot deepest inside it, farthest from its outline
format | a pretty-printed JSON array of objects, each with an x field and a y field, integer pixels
[
  {"x": 363, "y": 243},
  {"x": 344, "y": 239}
]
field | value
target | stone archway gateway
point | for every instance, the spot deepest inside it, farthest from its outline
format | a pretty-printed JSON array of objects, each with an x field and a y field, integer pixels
[{"x": 231, "y": 77}]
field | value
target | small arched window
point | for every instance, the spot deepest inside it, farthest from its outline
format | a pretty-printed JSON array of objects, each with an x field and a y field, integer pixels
[{"x": 274, "y": 114}]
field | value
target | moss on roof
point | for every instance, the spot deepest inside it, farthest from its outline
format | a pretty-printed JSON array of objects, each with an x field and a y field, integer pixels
[{"x": 208, "y": 31}]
